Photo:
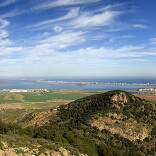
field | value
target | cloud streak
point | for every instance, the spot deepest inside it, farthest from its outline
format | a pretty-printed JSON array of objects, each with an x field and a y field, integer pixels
[
  {"x": 7, "y": 2},
  {"x": 86, "y": 19},
  {"x": 3, "y": 23},
  {"x": 75, "y": 37},
  {"x": 77, "y": 19},
  {"x": 12, "y": 13},
  {"x": 60, "y": 3},
  {"x": 153, "y": 41},
  {"x": 140, "y": 26},
  {"x": 73, "y": 13}
]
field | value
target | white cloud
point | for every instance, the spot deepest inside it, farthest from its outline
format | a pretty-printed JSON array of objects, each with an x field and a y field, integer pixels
[
  {"x": 3, "y": 34},
  {"x": 50, "y": 46},
  {"x": 58, "y": 29},
  {"x": 50, "y": 52},
  {"x": 4, "y": 41},
  {"x": 58, "y": 3},
  {"x": 87, "y": 19},
  {"x": 12, "y": 13},
  {"x": 139, "y": 26},
  {"x": 53, "y": 54},
  {"x": 76, "y": 19},
  {"x": 74, "y": 12},
  {"x": 5, "y": 51},
  {"x": 125, "y": 49},
  {"x": 110, "y": 7},
  {"x": 67, "y": 39},
  {"x": 3, "y": 23},
  {"x": 61, "y": 41},
  {"x": 7, "y": 2},
  {"x": 127, "y": 36},
  {"x": 153, "y": 40}
]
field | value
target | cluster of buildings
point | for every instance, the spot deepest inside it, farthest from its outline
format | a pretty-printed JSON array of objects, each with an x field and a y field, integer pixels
[
  {"x": 25, "y": 90},
  {"x": 148, "y": 89}
]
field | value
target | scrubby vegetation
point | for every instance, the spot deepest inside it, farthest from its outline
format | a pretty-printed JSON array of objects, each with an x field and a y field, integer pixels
[
  {"x": 108, "y": 124},
  {"x": 81, "y": 110},
  {"x": 61, "y": 136}
]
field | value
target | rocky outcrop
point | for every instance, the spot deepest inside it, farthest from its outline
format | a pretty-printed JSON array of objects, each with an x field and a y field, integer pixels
[
  {"x": 26, "y": 152},
  {"x": 37, "y": 118},
  {"x": 129, "y": 129},
  {"x": 120, "y": 98},
  {"x": 12, "y": 152}
]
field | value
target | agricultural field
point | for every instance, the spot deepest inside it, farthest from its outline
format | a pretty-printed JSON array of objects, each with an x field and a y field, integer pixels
[
  {"x": 15, "y": 107},
  {"x": 46, "y": 100},
  {"x": 149, "y": 97},
  {"x": 32, "y": 100}
]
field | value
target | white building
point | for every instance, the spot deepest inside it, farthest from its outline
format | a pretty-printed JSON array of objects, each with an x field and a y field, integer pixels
[{"x": 18, "y": 91}]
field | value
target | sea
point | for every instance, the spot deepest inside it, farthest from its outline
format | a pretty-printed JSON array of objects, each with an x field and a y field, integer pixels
[{"x": 119, "y": 83}]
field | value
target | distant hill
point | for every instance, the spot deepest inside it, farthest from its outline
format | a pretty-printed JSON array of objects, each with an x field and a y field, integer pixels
[
  {"x": 119, "y": 118},
  {"x": 115, "y": 123},
  {"x": 115, "y": 101}
]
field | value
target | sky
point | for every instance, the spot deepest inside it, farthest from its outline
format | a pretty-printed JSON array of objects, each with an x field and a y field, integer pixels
[{"x": 80, "y": 38}]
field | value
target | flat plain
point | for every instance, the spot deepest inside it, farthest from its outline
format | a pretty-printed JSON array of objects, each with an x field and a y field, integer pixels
[
  {"x": 35, "y": 100},
  {"x": 46, "y": 100}
]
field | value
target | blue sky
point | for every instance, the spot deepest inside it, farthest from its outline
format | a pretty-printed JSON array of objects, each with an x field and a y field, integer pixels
[{"x": 77, "y": 38}]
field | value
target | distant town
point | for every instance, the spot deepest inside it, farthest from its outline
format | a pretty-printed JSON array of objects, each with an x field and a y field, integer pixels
[
  {"x": 92, "y": 82},
  {"x": 46, "y": 90},
  {"x": 25, "y": 90},
  {"x": 148, "y": 89}
]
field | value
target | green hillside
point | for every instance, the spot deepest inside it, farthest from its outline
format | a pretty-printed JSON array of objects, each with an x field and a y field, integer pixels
[{"x": 109, "y": 124}]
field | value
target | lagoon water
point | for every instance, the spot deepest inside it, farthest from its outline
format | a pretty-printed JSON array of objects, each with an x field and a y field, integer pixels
[{"x": 107, "y": 84}]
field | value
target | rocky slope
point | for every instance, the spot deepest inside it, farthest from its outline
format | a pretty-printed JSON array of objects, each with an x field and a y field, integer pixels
[
  {"x": 107, "y": 124},
  {"x": 27, "y": 152},
  {"x": 120, "y": 119}
]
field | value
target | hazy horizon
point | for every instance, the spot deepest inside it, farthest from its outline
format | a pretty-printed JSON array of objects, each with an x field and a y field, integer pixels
[{"x": 85, "y": 79}]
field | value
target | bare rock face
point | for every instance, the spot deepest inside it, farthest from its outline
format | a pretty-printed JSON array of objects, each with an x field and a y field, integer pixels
[
  {"x": 129, "y": 129},
  {"x": 11, "y": 152},
  {"x": 120, "y": 98},
  {"x": 37, "y": 119},
  {"x": 61, "y": 152}
]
